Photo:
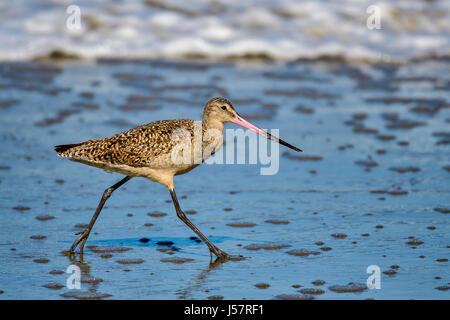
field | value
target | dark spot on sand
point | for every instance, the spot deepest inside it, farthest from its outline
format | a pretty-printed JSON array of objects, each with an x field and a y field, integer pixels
[
  {"x": 106, "y": 256},
  {"x": 274, "y": 221},
  {"x": 405, "y": 124},
  {"x": 369, "y": 163},
  {"x": 177, "y": 260},
  {"x": 404, "y": 169},
  {"x": 302, "y": 253},
  {"x": 442, "y": 210},
  {"x": 443, "y": 288},
  {"x": 318, "y": 282},
  {"x": 144, "y": 240},
  {"x": 8, "y": 103},
  {"x": 63, "y": 114},
  {"x": 414, "y": 242},
  {"x": 390, "y": 272},
  {"x": 39, "y": 237},
  {"x": 350, "y": 287},
  {"x": 442, "y": 260},
  {"x": 42, "y": 260},
  {"x": 319, "y": 243},
  {"x": 227, "y": 209},
  {"x": 56, "y": 272},
  {"x": 312, "y": 291},
  {"x": 266, "y": 246},
  {"x": 97, "y": 249},
  {"x": 86, "y": 94},
  {"x": 148, "y": 224},
  {"x": 385, "y": 137},
  {"x": 45, "y": 218},
  {"x": 54, "y": 286},
  {"x": 262, "y": 285},
  {"x": 397, "y": 192},
  {"x": 431, "y": 228},
  {"x": 304, "y": 110},
  {"x": 326, "y": 248},
  {"x": 190, "y": 212},
  {"x": 215, "y": 297},
  {"x": 241, "y": 224},
  {"x": 394, "y": 266},
  {"x": 21, "y": 208},
  {"x": 157, "y": 214},
  {"x": 81, "y": 225},
  {"x": 91, "y": 280},
  {"x": 403, "y": 143},
  {"x": 130, "y": 261},
  {"x": 363, "y": 129},
  {"x": 339, "y": 235},
  {"x": 380, "y": 151}
]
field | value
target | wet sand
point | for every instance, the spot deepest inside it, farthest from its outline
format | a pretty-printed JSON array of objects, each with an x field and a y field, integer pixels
[{"x": 371, "y": 187}]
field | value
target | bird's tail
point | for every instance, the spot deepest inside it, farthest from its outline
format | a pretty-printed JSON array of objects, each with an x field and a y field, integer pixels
[{"x": 64, "y": 147}]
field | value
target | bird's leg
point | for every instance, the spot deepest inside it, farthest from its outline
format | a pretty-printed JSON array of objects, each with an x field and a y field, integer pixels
[
  {"x": 212, "y": 248},
  {"x": 85, "y": 234}
]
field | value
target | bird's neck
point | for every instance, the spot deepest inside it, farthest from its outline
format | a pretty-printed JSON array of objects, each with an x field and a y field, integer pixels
[{"x": 211, "y": 123}]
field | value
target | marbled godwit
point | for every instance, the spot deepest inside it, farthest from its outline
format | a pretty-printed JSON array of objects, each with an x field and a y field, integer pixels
[{"x": 146, "y": 151}]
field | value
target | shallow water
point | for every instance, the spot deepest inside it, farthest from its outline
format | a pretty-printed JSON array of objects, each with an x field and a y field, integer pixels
[{"x": 370, "y": 188}]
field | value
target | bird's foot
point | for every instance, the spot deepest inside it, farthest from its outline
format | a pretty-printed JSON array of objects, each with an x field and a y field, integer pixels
[{"x": 81, "y": 241}]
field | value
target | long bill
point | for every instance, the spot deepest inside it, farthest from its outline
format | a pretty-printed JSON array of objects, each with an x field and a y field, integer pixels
[{"x": 242, "y": 122}]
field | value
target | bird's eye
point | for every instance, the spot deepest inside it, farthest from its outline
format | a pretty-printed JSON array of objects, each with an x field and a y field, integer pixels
[{"x": 224, "y": 107}]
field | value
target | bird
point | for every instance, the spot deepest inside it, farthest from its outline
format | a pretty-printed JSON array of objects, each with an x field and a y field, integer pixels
[{"x": 153, "y": 151}]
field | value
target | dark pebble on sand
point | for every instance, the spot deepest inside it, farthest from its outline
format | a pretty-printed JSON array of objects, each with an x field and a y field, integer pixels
[
  {"x": 262, "y": 285},
  {"x": 266, "y": 246},
  {"x": 54, "y": 286},
  {"x": 45, "y": 218},
  {"x": 318, "y": 282},
  {"x": 177, "y": 260},
  {"x": 442, "y": 210},
  {"x": 339, "y": 235},
  {"x": 144, "y": 240},
  {"x": 21, "y": 208},
  {"x": 109, "y": 249},
  {"x": 130, "y": 261},
  {"x": 43, "y": 260},
  {"x": 312, "y": 291},
  {"x": 157, "y": 214},
  {"x": 56, "y": 272},
  {"x": 302, "y": 253},
  {"x": 37, "y": 237},
  {"x": 350, "y": 287},
  {"x": 273, "y": 221},
  {"x": 241, "y": 224}
]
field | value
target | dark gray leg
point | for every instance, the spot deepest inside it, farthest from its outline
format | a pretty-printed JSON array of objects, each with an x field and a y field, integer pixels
[
  {"x": 212, "y": 248},
  {"x": 85, "y": 234}
]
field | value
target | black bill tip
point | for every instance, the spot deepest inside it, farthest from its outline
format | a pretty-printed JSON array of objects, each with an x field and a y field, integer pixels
[{"x": 284, "y": 143}]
